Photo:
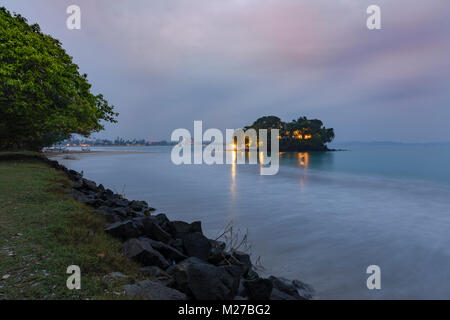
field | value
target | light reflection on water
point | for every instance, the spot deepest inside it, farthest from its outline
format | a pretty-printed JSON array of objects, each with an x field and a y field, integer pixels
[{"x": 323, "y": 218}]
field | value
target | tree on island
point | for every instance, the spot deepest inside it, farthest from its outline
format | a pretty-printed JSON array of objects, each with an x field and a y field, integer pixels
[
  {"x": 43, "y": 97},
  {"x": 298, "y": 135}
]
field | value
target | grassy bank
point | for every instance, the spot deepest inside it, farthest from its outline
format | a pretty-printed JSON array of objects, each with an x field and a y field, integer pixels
[{"x": 43, "y": 231}]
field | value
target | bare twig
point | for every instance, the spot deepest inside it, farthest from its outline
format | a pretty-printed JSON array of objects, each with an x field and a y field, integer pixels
[{"x": 236, "y": 241}]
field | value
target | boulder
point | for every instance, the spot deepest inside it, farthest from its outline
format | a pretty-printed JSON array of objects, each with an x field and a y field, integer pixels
[
  {"x": 77, "y": 183},
  {"x": 296, "y": 289},
  {"x": 251, "y": 275},
  {"x": 177, "y": 244},
  {"x": 242, "y": 259},
  {"x": 143, "y": 252},
  {"x": 216, "y": 255},
  {"x": 101, "y": 188},
  {"x": 115, "y": 276},
  {"x": 285, "y": 286},
  {"x": 152, "y": 290},
  {"x": 105, "y": 209},
  {"x": 204, "y": 281},
  {"x": 118, "y": 202},
  {"x": 138, "y": 205},
  {"x": 158, "y": 274},
  {"x": 73, "y": 175},
  {"x": 197, "y": 245},
  {"x": 86, "y": 198},
  {"x": 305, "y": 290},
  {"x": 163, "y": 222},
  {"x": 179, "y": 229},
  {"x": 151, "y": 229},
  {"x": 109, "y": 216},
  {"x": 135, "y": 214},
  {"x": 167, "y": 251},
  {"x": 93, "y": 202},
  {"x": 80, "y": 196},
  {"x": 124, "y": 230},
  {"x": 121, "y": 211},
  {"x": 258, "y": 289},
  {"x": 153, "y": 271},
  {"x": 89, "y": 185},
  {"x": 190, "y": 260},
  {"x": 279, "y": 295},
  {"x": 109, "y": 195}
]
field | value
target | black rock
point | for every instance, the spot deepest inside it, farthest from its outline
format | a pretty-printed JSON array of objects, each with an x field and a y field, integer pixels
[
  {"x": 123, "y": 230},
  {"x": 204, "y": 281},
  {"x": 296, "y": 289},
  {"x": 167, "y": 251},
  {"x": 158, "y": 274},
  {"x": 135, "y": 214},
  {"x": 197, "y": 245},
  {"x": 305, "y": 290},
  {"x": 163, "y": 222},
  {"x": 105, "y": 209},
  {"x": 108, "y": 215},
  {"x": 242, "y": 259},
  {"x": 143, "y": 252},
  {"x": 138, "y": 205},
  {"x": 259, "y": 289},
  {"x": 121, "y": 211},
  {"x": 109, "y": 203},
  {"x": 153, "y": 271},
  {"x": 251, "y": 275},
  {"x": 285, "y": 286},
  {"x": 216, "y": 255},
  {"x": 74, "y": 175},
  {"x": 89, "y": 185},
  {"x": 109, "y": 195},
  {"x": 177, "y": 244},
  {"x": 151, "y": 229},
  {"x": 79, "y": 196},
  {"x": 179, "y": 229},
  {"x": 152, "y": 290},
  {"x": 77, "y": 184},
  {"x": 117, "y": 202},
  {"x": 279, "y": 295}
]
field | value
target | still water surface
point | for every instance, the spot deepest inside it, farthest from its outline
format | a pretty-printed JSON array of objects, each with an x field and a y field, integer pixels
[{"x": 322, "y": 219}]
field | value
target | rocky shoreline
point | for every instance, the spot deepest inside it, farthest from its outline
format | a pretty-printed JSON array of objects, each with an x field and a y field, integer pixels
[{"x": 180, "y": 262}]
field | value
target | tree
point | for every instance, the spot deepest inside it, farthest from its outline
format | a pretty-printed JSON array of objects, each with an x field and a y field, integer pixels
[
  {"x": 267, "y": 122},
  {"x": 43, "y": 97},
  {"x": 298, "y": 135}
]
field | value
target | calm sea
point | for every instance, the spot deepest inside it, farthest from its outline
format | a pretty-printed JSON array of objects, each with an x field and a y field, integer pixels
[{"x": 323, "y": 219}]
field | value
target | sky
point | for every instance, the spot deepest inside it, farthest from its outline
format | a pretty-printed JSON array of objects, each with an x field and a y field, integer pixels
[{"x": 166, "y": 63}]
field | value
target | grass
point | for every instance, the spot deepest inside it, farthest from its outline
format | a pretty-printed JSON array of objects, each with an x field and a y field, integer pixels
[{"x": 43, "y": 231}]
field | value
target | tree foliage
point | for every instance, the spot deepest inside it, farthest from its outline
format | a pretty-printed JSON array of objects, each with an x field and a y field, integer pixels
[
  {"x": 299, "y": 135},
  {"x": 43, "y": 97}
]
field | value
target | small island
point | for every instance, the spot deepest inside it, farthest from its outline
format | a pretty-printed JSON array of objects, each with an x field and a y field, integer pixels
[{"x": 299, "y": 135}]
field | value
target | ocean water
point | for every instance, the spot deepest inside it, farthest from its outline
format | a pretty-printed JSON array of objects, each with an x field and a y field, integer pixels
[{"x": 323, "y": 219}]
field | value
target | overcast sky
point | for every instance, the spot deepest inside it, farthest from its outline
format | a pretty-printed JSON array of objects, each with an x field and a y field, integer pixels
[{"x": 166, "y": 63}]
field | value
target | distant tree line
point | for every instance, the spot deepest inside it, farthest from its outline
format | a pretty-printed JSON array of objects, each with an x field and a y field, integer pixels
[
  {"x": 298, "y": 135},
  {"x": 116, "y": 142}
]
